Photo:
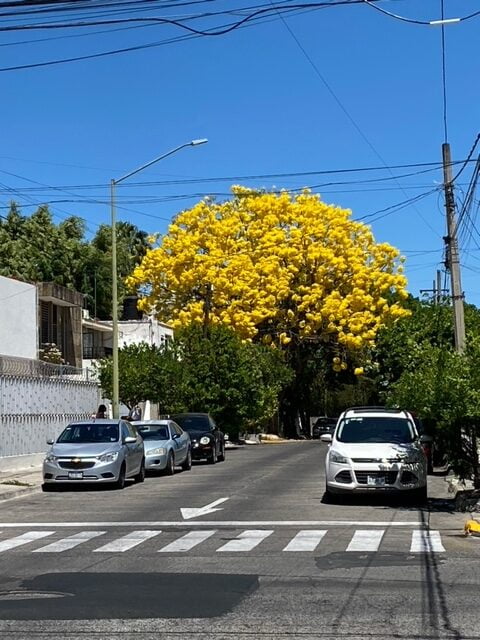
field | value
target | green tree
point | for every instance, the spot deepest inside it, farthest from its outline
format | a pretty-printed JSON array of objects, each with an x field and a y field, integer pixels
[
  {"x": 238, "y": 383},
  {"x": 138, "y": 365},
  {"x": 35, "y": 249}
]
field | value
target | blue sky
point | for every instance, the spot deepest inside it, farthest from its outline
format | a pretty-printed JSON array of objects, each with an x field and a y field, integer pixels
[{"x": 265, "y": 110}]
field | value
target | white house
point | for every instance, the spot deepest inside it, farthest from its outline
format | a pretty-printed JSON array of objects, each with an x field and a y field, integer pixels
[{"x": 18, "y": 319}]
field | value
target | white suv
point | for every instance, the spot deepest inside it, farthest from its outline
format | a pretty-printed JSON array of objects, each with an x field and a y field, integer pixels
[{"x": 374, "y": 449}]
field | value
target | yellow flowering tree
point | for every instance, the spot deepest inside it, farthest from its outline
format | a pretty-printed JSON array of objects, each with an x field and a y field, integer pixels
[{"x": 286, "y": 269}]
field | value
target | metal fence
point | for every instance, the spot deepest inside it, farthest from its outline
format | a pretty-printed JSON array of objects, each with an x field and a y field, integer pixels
[
  {"x": 12, "y": 366},
  {"x": 37, "y": 402}
]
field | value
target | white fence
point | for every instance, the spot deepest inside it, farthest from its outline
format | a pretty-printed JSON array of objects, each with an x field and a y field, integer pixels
[{"x": 34, "y": 408}]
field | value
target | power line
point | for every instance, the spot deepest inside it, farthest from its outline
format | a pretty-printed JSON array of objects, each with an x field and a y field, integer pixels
[
  {"x": 420, "y": 22},
  {"x": 346, "y": 112}
]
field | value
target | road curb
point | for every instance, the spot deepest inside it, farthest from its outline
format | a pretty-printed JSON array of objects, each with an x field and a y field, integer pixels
[{"x": 18, "y": 492}]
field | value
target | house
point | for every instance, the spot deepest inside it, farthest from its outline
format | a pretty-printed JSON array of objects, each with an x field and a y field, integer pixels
[
  {"x": 60, "y": 321},
  {"x": 134, "y": 327},
  {"x": 39, "y": 316}
]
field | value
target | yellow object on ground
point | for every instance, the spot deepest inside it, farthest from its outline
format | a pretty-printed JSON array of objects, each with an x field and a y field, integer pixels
[{"x": 472, "y": 528}]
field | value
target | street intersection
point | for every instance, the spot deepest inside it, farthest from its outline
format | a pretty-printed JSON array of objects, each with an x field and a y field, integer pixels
[{"x": 243, "y": 549}]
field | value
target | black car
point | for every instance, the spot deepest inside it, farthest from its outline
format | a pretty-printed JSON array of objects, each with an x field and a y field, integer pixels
[
  {"x": 208, "y": 442},
  {"x": 323, "y": 425}
]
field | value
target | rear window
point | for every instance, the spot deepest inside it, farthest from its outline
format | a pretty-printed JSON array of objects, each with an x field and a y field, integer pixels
[
  {"x": 375, "y": 429},
  {"x": 153, "y": 432},
  {"x": 192, "y": 423}
]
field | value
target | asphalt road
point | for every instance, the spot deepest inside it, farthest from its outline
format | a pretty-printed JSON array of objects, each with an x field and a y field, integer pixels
[{"x": 273, "y": 561}]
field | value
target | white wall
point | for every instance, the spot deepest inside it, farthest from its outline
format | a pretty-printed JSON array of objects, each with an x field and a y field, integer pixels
[
  {"x": 18, "y": 318},
  {"x": 135, "y": 331}
]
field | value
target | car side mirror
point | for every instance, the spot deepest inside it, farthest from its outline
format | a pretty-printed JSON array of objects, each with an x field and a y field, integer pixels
[
  {"x": 175, "y": 436},
  {"x": 426, "y": 439},
  {"x": 129, "y": 440},
  {"x": 50, "y": 441},
  {"x": 226, "y": 437},
  {"x": 326, "y": 437}
]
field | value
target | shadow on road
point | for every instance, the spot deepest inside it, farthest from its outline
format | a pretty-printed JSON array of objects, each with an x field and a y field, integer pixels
[{"x": 75, "y": 596}]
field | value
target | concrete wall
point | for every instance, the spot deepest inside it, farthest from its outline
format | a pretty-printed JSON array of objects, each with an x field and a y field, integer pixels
[
  {"x": 34, "y": 409},
  {"x": 18, "y": 319}
]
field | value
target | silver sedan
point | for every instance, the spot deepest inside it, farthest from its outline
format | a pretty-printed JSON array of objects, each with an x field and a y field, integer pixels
[
  {"x": 166, "y": 445},
  {"x": 95, "y": 451}
]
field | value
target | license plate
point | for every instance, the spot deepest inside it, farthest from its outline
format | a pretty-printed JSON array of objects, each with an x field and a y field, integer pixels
[
  {"x": 376, "y": 481},
  {"x": 75, "y": 475}
]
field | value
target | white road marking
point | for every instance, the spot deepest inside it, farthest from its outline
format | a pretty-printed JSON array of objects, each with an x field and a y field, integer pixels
[
  {"x": 366, "y": 540},
  {"x": 24, "y": 538},
  {"x": 188, "y": 541},
  {"x": 247, "y": 540},
  {"x": 221, "y": 523},
  {"x": 426, "y": 542},
  {"x": 306, "y": 540},
  {"x": 68, "y": 543},
  {"x": 128, "y": 542},
  {"x": 188, "y": 513}
]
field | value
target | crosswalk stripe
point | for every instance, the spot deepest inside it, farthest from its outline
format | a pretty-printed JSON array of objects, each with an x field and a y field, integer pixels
[
  {"x": 307, "y": 540},
  {"x": 426, "y": 542},
  {"x": 247, "y": 540},
  {"x": 68, "y": 543},
  {"x": 127, "y": 542},
  {"x": 366, "y": 540},
  {"x": 24, "y": 538},
  {"x": 188, "y": 541}
]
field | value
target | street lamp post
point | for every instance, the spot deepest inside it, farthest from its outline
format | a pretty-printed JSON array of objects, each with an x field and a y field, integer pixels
[{"x": 113, "y": 184}]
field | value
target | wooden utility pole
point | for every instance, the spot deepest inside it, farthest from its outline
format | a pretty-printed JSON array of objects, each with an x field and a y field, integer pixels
[{"x": 453, "y": 261}]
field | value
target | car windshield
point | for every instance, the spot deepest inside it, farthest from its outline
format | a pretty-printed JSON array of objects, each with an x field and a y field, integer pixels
[
  {"x": 153, "y": 431},
  {"x": 193, "y": 423},
  {"x": 379, "y": 429},
  {"x": 83, "y": 433}
]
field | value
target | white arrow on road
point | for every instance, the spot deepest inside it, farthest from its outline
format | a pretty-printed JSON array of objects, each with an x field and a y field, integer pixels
[{"x": 202, "y": 511}]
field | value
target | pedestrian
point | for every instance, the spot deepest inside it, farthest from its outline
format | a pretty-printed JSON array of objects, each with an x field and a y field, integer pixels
[
  {"x": 136, "y": 413},
  {"x": 101, "y": 411}
]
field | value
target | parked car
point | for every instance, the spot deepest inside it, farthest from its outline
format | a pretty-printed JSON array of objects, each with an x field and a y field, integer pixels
[
  {"x": 95, "y": 451},
  {"x": 208, "y": 442},
  {"x": 375, "y": 449},
  {"x": 166, "y": 445},
  {"x": 323, "y": 425}
]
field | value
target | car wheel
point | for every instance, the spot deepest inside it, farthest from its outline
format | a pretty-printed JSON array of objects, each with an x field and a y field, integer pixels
[
  {"x": 213, "y": 458},
  {"x": 170, "y": 468},
  {"x": 187, "y": 464},
  {"x": 221, "y": 457},
  {"x": 140, "y": 477},
  {"x": 120, "y": 483},
  {"x": 46, "y": 487}
]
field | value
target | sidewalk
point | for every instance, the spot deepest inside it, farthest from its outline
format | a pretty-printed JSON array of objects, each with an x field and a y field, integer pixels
[{"x": 14, "y": 484}]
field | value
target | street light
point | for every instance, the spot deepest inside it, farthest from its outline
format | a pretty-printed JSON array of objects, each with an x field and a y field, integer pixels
[{"x": 113, "y": 183}]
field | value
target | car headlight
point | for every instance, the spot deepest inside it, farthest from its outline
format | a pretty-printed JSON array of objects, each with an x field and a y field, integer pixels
[
  {"x": 108, "y": 457},
  {"x": 50, "y": 458},
  {"x": 337, "y": 457},
  {"x": 204, "y": 440},
  {"x": 159, "y": 451}
]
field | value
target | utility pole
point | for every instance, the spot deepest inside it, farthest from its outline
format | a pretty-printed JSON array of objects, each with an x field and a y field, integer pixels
[
  {"x": 436, "y": 290},
  {"x": 207, "y": 306},
  {"x": 453, "y": 261}
]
